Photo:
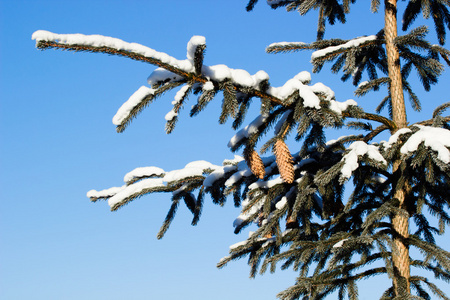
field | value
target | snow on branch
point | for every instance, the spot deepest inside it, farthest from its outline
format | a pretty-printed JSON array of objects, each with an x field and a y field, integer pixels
[
  {"x": 146, "y": 180},
  {"x": 103, "y": 194},
  {"x": 337, "y": 49},
  {"x": 125, "y": 110},
  {"x": 173, "y": 72},
  {"x": 394, "y": 138},
  {"x": 143, "y": 172},
  {"x": 311, "y": 95},
  {"x": 170, "y": 69},
  {"x": 438, "y": 139},
  {"x": 43, "y": 38},
  {"x": 359, "y": 149},
  {"x": 98, "y": 43},
  {"x": 135, "y": 190},
  {"x": 245, "y": 132},
  {"x": 283, "y": 47}
]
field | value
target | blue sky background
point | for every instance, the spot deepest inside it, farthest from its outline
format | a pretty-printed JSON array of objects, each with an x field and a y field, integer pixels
[{"x": 58, "y": 142}]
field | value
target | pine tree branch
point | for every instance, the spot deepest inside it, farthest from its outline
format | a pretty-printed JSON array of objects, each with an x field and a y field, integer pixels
[
  {"x": 330, "y": 53},
  {"x": 41, "y": 44},
  {"x": 430, "y": 122},
  {"x": 44, "y": 44},
  {"x": 374, "y": 117},
  {"x": 375, "y": 132}
]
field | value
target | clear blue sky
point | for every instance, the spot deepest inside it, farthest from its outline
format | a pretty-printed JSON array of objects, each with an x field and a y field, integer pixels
[{"x": 58, "y": 142}]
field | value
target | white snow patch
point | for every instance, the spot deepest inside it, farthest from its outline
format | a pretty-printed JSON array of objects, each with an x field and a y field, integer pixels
[
  {"x": 268, "y": 241},
  {"x": 242, "y": 243},
  {"x": 233, "y": 161},
  {"x": 143, "y": 172},
  {"x": 180, "y": 94},
  {"x": 340, "y": 243},
  {"x": 170, "y": 115},
  {"x": 247, "y": 212},
  {"x": 115, "y": 43},
  {"x": 260, "y": 76},
  {"x": 104, "y": 193},
  {"x": 135, "y": 99},
  {"x": 378, "y": 179},
  {"x": 309, "y": 94},
  {"x": 358, "y": 149},
  {"x": 160, "y": 74},
  {"x": 323, "y": 89},
  {"x": 291, "y": 86},
  {"x": 237, "y": 76},
  {"x": 192, "y": 45},
  {"x": 304, "y": 77},
  {"x": 340, "y": 107},
  {"x": 352, "y": 43},
  {"x": 216, "y": 175},
  {"x": 265, "y": 184},
  {"x": 242, "y": 77},
  {"x": 134, "y": 189},
  {"x": 362, "y": 84},
  {"x": 310, "y": 99},
  {"x": 435, "y": 138},
  {"x": 176, "y": 175},
  {"x": 195, "y": 168},
  {"x": 247, "y": 131},
  {"x": 281, "y": 121},
  {"x": 237, "y": 176},
  {"x": 280, "y": 204},
  {"x": 202, "y": 164},
  {"x": 331, "y": 142},
  {"x": 283, "y": 44},
  {"x": 394, "y": 138},
  {"x": 217, "y": 72},
  {"x": 208, "y": 86}
]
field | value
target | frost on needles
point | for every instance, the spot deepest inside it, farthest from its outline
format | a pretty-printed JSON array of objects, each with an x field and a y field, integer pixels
[{"x": 295, "y": 200}]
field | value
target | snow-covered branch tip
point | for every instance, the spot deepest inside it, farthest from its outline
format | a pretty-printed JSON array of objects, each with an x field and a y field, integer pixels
[
  {"x": 189, "y": 68},
  {"x": 114, "y": 46},
  {"x": 335, "y": 50},
  {"x": 146, "y": 180},
  {"x": 170, "y": 71}
]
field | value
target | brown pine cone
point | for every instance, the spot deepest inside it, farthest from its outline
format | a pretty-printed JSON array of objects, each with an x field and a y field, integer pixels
[
  {"x": 285, "y": 161},
  {"x": 254, "y": 162},
  {"x": 291, "y": 223}
]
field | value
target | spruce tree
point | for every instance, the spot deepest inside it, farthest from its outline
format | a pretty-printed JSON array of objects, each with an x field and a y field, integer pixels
[{"x": 305, "y": 220}]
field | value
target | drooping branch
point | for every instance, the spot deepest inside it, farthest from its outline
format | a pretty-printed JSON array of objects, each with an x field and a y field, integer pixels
[
  {"x": 374, "y": 117},
  {"x": 430, "y": 122},
  {"x": 375, "y": 132},
  {"x": 43, "y": 45}
]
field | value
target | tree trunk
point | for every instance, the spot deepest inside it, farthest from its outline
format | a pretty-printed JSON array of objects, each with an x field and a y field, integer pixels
[
  {"x": 400, "y": 255},
  {"x": 393, "y": 60}
]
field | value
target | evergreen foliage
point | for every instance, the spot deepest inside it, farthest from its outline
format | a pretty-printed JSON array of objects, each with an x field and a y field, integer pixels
[{"x": 297, "y": 199}]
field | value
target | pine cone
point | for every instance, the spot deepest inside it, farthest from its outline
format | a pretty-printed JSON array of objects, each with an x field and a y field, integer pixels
[
  {"x": 291, "y": 222},
  {"x": 254, "y": 162},
  {"x": 285, "y": 161}
]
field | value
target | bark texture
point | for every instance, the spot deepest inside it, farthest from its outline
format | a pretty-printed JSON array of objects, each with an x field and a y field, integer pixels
[{"x": 400, "y": 222}]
